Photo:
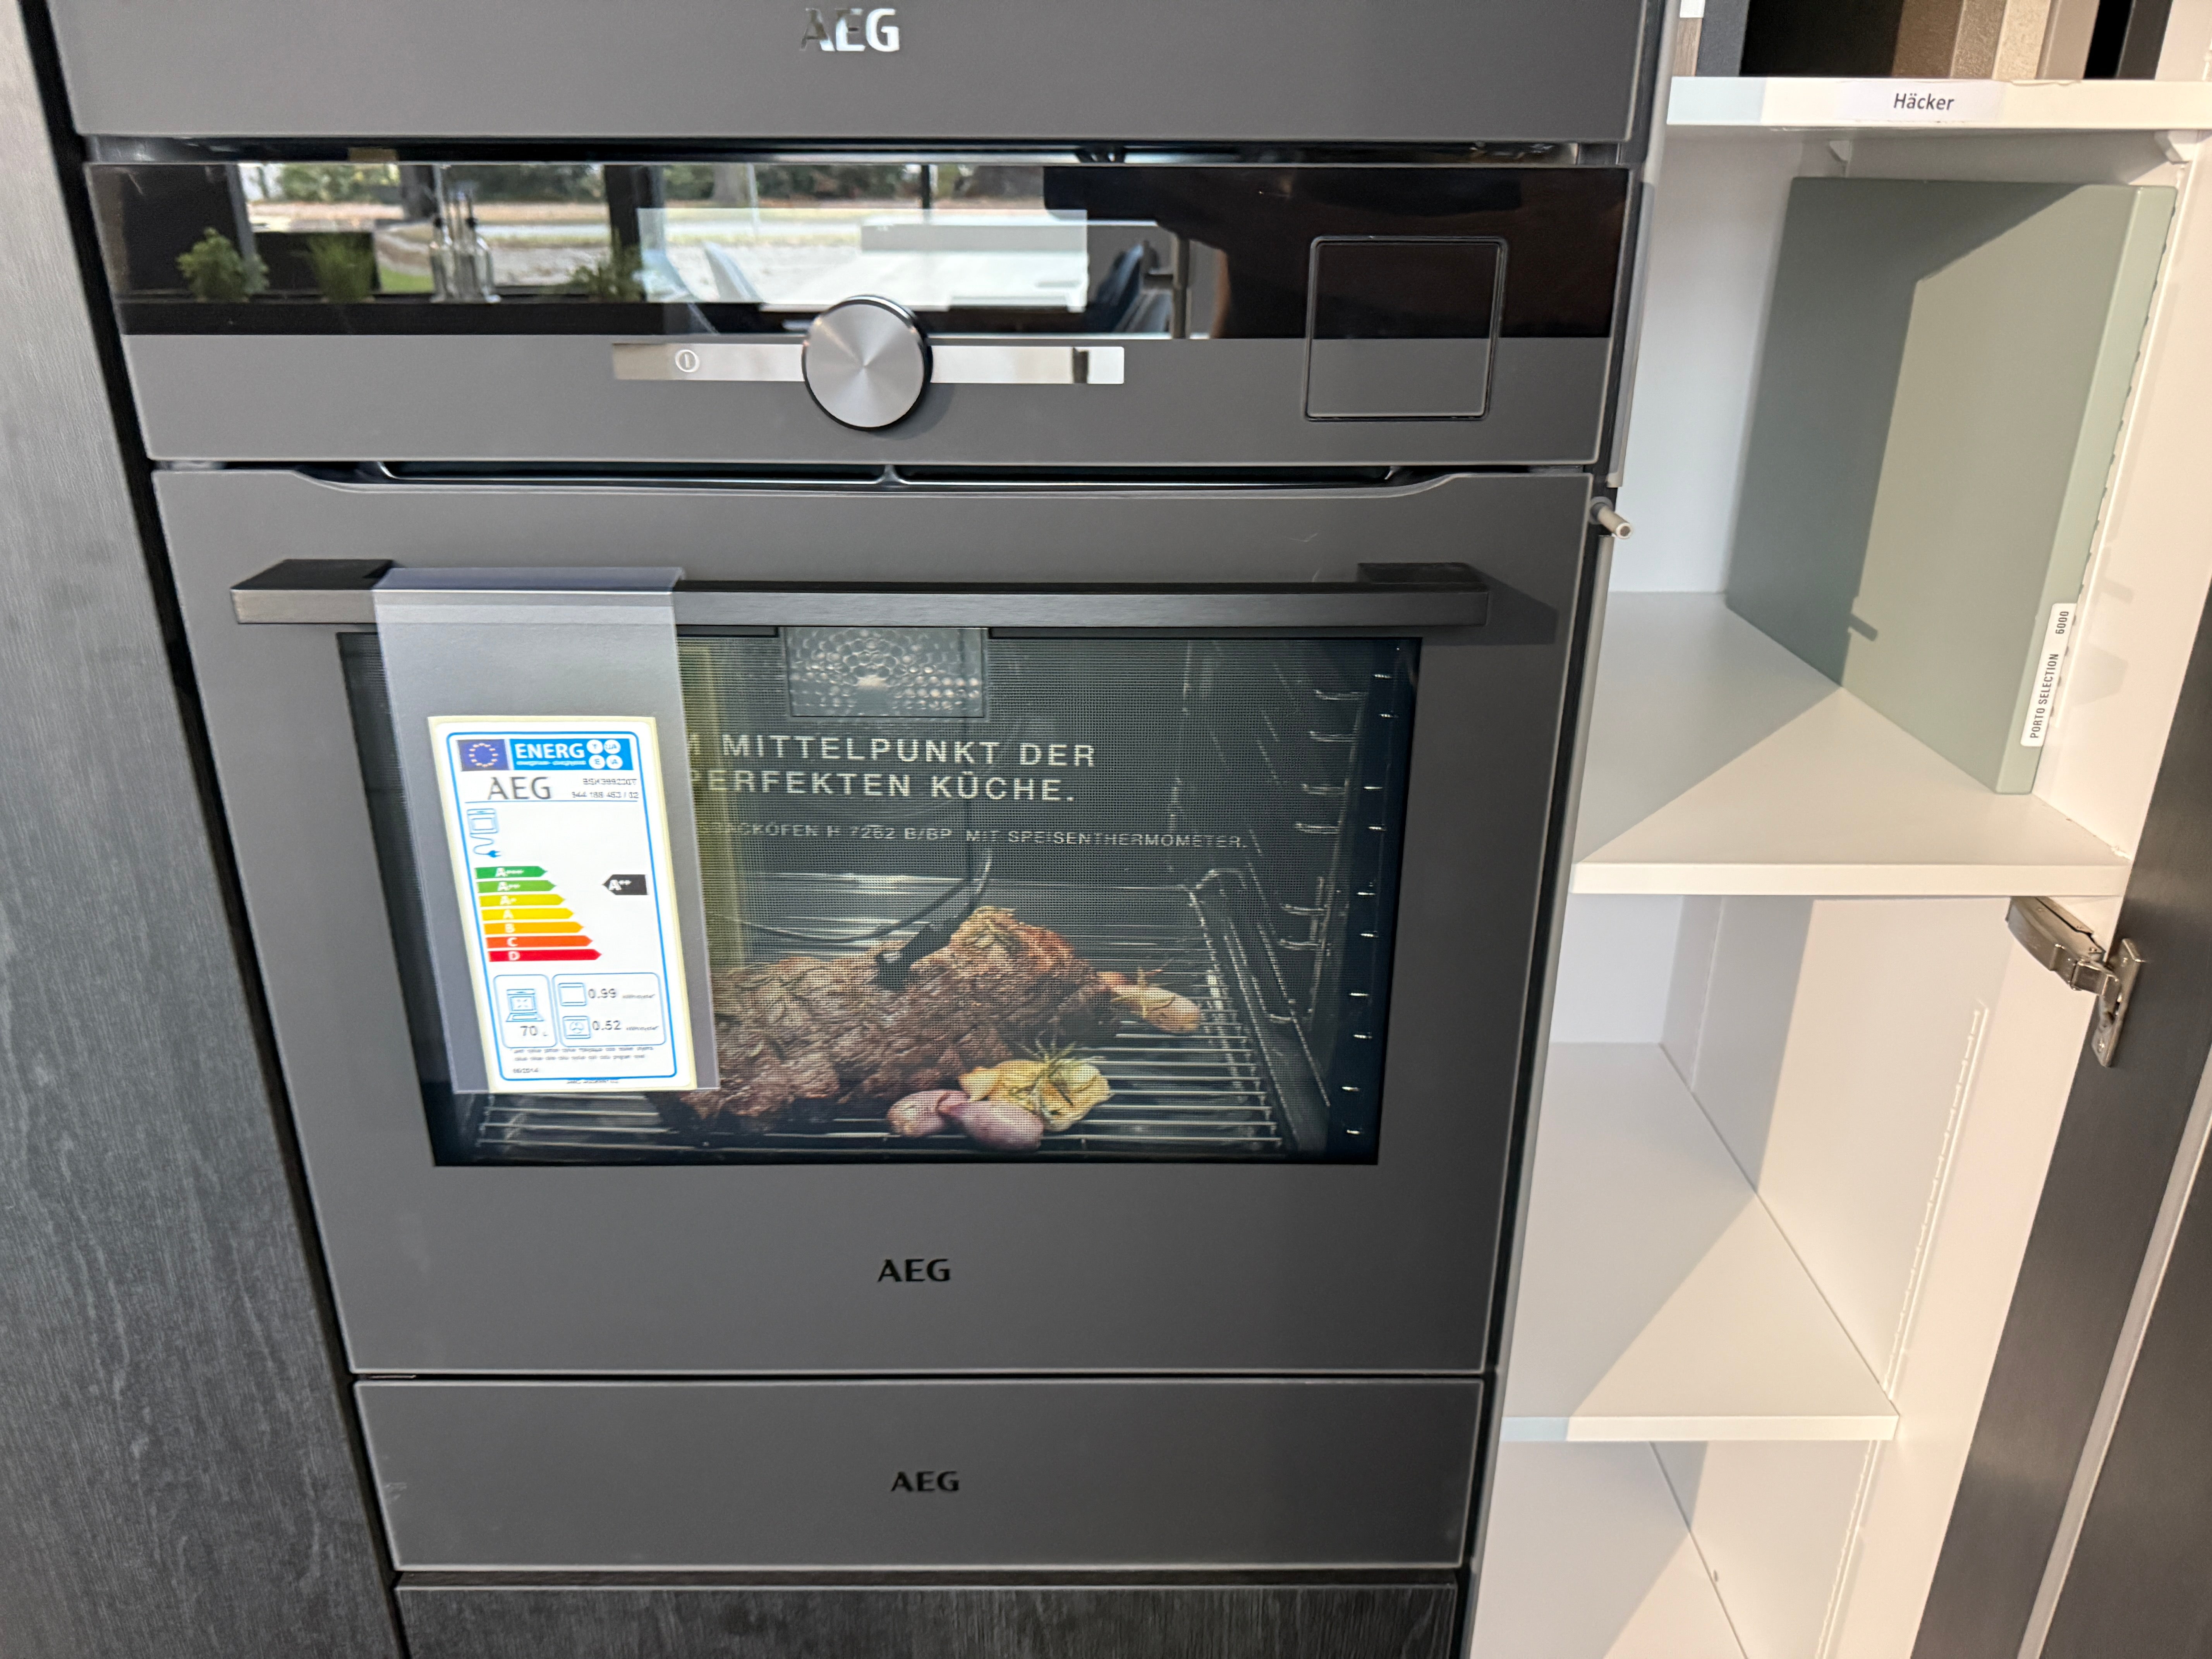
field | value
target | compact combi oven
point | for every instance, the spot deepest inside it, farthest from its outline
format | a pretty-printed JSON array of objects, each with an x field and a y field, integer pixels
[{"x": 899, "y": 806}]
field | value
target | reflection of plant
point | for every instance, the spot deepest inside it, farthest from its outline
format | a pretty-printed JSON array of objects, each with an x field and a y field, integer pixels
[
  {"x": 846, "y": 182},
  {"x": 530, "y": 181},
  {"x": 687, "y": 181},
  {"x": 338, "y": 181},
  {"x": 215, "y": 271},
  {"x": 619, "y": 275},
  {"x": 344, "y": 266}
]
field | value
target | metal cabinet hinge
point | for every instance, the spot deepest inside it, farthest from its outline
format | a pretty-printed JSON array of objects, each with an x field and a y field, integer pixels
[{"x": 2063, "y": 945}]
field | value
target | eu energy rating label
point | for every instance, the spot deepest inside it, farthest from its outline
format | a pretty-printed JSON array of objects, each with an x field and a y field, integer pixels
[{"x": 559, "y": 836}]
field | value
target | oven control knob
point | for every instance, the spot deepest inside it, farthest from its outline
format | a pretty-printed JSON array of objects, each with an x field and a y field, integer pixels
[{"x": 866, "y": 362}]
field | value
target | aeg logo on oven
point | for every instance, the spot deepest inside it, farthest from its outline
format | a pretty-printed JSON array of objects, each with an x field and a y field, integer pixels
[
  {"x": 852, "y": 28},
  {"x": 916, "y": 1270},
  {"x": 927, "y": 1481}
]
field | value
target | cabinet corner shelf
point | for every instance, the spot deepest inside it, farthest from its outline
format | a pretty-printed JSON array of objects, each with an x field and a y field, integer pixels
[
  {"x": 1659, "y": 1300},
  {"x": 1588, "y": 1558},
  {"x": 1720, "y": 763},
  {"x": 1820, "y": 104}
]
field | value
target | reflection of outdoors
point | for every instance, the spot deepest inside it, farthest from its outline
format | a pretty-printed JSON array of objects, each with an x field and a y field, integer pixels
[
  {"x": 795, "y": 235},
  {"x": 930, "y": 259},
  {"x": 542, "y": 231}
]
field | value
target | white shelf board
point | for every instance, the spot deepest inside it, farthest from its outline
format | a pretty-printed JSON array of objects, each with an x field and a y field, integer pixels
[
  {"x": 1719, "y": 762},
  {"x": 1588, "y": 1557},
  {"x": 1823, "y": 105},
  {"x": 1658, "y": 1300}
]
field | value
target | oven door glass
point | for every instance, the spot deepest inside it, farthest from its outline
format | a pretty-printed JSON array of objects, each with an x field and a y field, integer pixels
[{"x": 975, "y": 895}]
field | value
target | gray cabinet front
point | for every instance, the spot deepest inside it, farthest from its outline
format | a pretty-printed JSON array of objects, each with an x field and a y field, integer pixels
[
  {"x": 1429, "y": 71},
  {"x": 701, "y": 1475}
]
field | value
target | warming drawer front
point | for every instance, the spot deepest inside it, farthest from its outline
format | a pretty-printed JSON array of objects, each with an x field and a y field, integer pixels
[
  {"x": 1328, "y": 1620},
  {"x": 733, "y": 1476}
]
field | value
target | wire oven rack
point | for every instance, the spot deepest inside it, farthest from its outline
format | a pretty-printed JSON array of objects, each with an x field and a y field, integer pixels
[{"x": 1238, "y": 1087}]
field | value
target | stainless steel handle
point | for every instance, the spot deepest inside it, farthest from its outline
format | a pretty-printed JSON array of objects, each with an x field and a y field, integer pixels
[
  {"x": 336, "y": 593},
  {"x": 776, "y": 357}
]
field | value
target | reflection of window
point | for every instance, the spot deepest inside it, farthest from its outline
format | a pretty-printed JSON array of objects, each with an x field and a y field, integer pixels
[{"x": 745, "y": 246}]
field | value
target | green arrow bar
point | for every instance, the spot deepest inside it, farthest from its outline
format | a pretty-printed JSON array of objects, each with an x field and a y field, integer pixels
[
  {"x": 514, "y": 887},
  {"x": 512, "y": 871}
]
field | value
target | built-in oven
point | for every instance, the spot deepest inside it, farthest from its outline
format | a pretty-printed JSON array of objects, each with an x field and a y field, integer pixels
[
  {"x": 1109, "y": 973},
  {"x": 900, "y": 814}
]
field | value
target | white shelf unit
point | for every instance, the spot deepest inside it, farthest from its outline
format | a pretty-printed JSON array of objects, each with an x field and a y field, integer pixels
[
  {"x": 1720, "y": 763},
  {"x": 1805, "y": 1086},
  {"x": 1659, "y": 1299},
  {"x": 1827, "y": 104},
  {"x": 1597, "y": 1565}
]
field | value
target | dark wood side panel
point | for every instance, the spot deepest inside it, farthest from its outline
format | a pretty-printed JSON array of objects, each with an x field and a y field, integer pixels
[
  {"x": 1121, "y": 1621},
  {"x": 2138, "y": 1583},
  {"x": 174, "y": 1476},
  {"x": 2108, "y": 1176}
]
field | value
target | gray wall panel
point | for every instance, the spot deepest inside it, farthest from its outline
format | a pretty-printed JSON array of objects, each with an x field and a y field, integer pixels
[
  {"x": 174, "y": 1479},
  {"x": 1205, "y": 1621}
]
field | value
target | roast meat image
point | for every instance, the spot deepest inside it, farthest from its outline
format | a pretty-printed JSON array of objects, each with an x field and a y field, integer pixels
[{"x": 820, "y": 1034}]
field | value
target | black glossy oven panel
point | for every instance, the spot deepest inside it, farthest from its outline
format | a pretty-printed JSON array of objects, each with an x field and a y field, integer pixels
[{"x": 1186, "y": 251}]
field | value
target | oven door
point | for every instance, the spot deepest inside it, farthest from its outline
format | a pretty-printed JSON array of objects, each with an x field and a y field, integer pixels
[{"x": 1097, "y": 989}]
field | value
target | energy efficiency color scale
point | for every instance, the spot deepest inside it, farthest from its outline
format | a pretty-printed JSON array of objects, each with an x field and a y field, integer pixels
[
  {"x": 524, "y": 920},
  {"x": 558, "y": 834}
]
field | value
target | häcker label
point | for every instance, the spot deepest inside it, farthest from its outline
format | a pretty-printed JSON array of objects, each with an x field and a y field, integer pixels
[
  {"x": 2043, "y": 698},
  {"x": 1921, "y": 103}
]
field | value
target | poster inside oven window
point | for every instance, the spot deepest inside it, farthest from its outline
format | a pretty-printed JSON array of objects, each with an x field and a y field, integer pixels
[{"x": 974, "y": 895}]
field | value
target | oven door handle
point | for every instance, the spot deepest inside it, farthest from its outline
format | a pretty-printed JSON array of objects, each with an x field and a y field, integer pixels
[{"x": 336, "y": 593}]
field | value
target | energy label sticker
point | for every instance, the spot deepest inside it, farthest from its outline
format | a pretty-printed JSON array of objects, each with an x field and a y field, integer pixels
[{"x": 559, "y": 836}]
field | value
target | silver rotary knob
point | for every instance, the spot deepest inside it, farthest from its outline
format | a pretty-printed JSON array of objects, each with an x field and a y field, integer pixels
[{"x": 866, "y": 362}]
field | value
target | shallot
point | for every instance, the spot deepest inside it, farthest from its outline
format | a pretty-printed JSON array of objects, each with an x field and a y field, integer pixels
[
  {"x": 999, "y": 1124},
  {"x": 924, "y": 1114}
]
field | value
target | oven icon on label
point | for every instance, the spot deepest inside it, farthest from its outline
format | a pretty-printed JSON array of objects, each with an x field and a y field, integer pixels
[
  {"x": 522, "y": 1002},
  {"x": 575, "y": 1028}
]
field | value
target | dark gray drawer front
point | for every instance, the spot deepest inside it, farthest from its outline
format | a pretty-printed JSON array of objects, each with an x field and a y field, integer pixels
[
  {"x": 1227, "y": 1621},
  {"x": 1032, "y": 1475}
]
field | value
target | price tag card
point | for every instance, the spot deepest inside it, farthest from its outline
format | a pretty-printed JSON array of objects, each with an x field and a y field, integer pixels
[{"x": 558, "y": 833}]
